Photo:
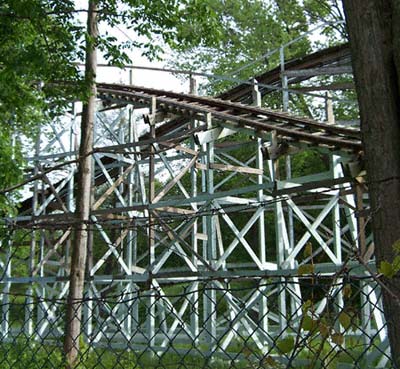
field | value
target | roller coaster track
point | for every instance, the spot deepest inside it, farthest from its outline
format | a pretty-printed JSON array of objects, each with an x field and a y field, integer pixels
[
  {"x": 335, "y": 56},
  {"x": 288, "y": 128},
  {"x": 229, "y": 109}
]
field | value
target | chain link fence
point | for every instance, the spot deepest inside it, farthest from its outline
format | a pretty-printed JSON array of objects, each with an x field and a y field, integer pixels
[{"x": 302, "y": 321}]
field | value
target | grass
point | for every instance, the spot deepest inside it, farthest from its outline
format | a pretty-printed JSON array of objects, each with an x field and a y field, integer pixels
[
  {"x": 32, "y": 355},
  {"x": 29, "y": 354}
]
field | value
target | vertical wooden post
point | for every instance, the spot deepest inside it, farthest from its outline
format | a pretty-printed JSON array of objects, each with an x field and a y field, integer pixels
[
  {"x": 33, "y": 245},
  {"x": 79, "y": 251},
  {"x": 210, "y": 253},
  {"x": 152, "y": 300},
  {"x": 130, "y": 248},
  {"x": 280, "y": 226},
  {"x": 263, "y": 309},
  {"x": 336, "y": 170},
  {"x": 194, "y": 316}
]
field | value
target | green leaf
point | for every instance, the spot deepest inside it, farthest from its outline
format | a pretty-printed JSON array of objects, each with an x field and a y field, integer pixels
[
  {"x": 246, "y": 351},
  {"x": 324, "y": 329},
  {"x": 345, "y": 320},
  {"x": 347, "y": 290},
  {"x": 285, "y": 345},
  {"x": 308, "y": 250},
  {"x": 386, "y": 269},
  {"x": 306, "y": 269},
  {"x": 269, "y": 361},
  {"x": 396, "y": 264},
  {"x": 396, "y": 246},
  {"x": 309, "y": 324},
  {"x": 307, "y": 305},
  {"x": 337, "y": 338}
]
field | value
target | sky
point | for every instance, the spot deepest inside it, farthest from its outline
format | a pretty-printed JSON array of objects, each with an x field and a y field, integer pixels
[
  {"x": 153, "y": 79},
  {"x": 140, "y": 77}
]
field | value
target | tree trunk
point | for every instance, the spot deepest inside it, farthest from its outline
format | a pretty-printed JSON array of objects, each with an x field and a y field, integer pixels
[
  {"x": 79, "y": 251},
  {"x": 373, "y": 39}
]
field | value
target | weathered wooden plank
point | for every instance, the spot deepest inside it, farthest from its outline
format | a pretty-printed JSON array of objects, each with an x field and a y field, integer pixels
[
  {"x": 172, "y": 183},
  {"x": 234, "y": 168},
  {"x": 229, "y": 168},
  {"x": 327, "y": 87},
  {"x": 52, "y": 251},
  {"x": 171, "y": 209},
  {"x": 110, "y": 190},
  {"x": 179, "y": 148},
  {"x": 201, "y": 166},
  {"x": 327, "y": 71},
  {"x": 201, "y": 236},
  {"x": 213, "y": 134}
]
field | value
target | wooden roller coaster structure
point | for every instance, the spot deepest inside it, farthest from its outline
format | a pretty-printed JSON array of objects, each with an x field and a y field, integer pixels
[{"x": 192, "y": 191}]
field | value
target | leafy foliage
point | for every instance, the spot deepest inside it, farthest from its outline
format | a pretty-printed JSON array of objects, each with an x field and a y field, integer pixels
[
  {"x": 36, "y": 49},
  {"x": 249, "y": 30},
  {"x": 388, "y": 269},
  {"x": 41, "y": 41}
]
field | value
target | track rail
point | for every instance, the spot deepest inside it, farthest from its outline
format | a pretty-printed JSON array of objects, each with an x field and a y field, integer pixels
[{"x": 289, "y": 128}]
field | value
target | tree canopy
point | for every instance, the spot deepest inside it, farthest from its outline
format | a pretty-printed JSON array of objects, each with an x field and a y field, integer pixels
[
  {"x": 251, "y": 30},
  {"x": 41, "y": 42}
]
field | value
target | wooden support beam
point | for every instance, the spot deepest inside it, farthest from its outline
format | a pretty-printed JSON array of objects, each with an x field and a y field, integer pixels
[
  {"x": 51, "y": 251},
  {"x": 110, "y": 190},
  {"x": 329, "y": 87},
  {"x": 55, "y": 193},
  {"x": 229, "y": 168},
  {"x": 174, "y": 236},
  {"x": 171, "y": 209},
  {"x": 234, "y": 168},
  {"x": 327, "y": 71},
  {"x": 172, "y": 183},
  {"x": 213, "y": 135},
  {"x": 179, "y": 148}
]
